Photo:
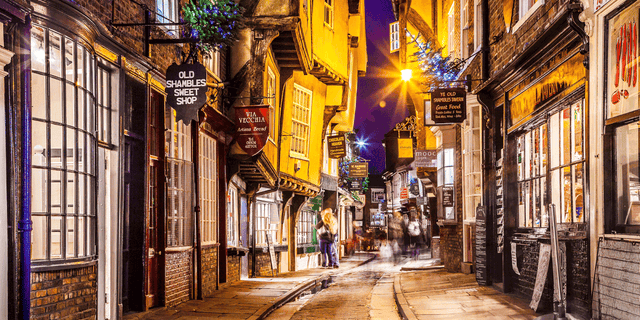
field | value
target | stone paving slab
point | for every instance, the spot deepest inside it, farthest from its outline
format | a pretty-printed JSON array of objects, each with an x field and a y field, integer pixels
[
  {"x": 436, "y": 295},
  {"x": 246, "y": 299}
]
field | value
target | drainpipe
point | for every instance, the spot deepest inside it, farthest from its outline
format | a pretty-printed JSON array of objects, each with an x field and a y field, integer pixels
[
  {"x": 25, "y": 225},
  {"x": 485, "y": 40}
]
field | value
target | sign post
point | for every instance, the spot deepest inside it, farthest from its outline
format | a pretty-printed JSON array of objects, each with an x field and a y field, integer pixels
[
  {"x": 186, "y": 90},
  {"x": 359, "y": 170},
  {"x": 252, "y": 128},
  {"x": 337, "y": 146},
  {"x": 448, "y": 105}
]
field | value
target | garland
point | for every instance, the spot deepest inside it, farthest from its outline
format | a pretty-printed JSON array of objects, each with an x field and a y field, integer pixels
[{"x": 215, "y": 23}]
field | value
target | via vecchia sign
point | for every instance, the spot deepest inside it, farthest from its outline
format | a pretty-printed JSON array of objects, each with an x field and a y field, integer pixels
[
  {"x": 186, "y": 90},
  {"x": 252, "y": 128}
]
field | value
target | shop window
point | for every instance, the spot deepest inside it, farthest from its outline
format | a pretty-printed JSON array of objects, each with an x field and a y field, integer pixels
[
  {"x": 265, "y": 225},
  {"x": 377, "y": 195},
  {"x": 233, "y": 209},
  {"x": 180, "y": 180},
  {"x": 446, "y": 174},
  {"x": 559, "y": 174},
  {"x": 104, "y": 105},
  {"x": 63, "y": 190},
  {"x": 305, "y": 227},
  {"x": 472, "y": 166},
  {"x": 301, "y": 117},
  {"x": 328, "y": 13},
  {"x": 208, "y": 191},
  {"x": 526, "y": 9},
  {"x": 394, "y": 36}
]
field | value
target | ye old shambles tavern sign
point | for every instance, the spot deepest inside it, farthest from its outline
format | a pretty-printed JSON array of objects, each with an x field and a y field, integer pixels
[
  {"x": 186, "y": 90},
  {"x": 252, "y": 128},
  {"x": 448, "y": 105}
]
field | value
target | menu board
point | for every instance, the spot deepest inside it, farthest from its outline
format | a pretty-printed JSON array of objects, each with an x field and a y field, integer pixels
[{"x": 482, "y": 276}]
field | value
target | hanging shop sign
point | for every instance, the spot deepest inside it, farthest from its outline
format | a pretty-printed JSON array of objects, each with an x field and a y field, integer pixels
[
  {"x": 405, "y": 148},
  {"x": 622, "y": 56},
  {"x": 414, "y": 188},
  {"x": 448, "y": 105},
  {"x": 252, "y": 128},
  {"x": 554, "y": 79},
  {"x": 447, "y": 196},
  {"x": 425, "y": 158},
  {"x": 355, "y": 185},
  {"x": 186, "y": 90},
  {"x": 359, "y": 170},
  {"x": 337, "y": 146}
]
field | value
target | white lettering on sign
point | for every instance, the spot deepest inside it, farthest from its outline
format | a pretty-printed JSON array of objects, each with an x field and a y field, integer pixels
[{"x": 252, "y": 117}]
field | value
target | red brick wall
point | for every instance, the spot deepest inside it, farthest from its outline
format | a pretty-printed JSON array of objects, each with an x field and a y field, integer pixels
[
  {"x": 64, "y": 294},
  {"x": 209, "y": 270},
  {"x": 178, "y": 277},
  {"x": 233, "y": 268}
]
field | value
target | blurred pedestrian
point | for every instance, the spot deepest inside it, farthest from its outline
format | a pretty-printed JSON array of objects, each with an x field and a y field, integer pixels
[
  {"x": 327, "y": 232},
  {"x": 415, "y": 236}
]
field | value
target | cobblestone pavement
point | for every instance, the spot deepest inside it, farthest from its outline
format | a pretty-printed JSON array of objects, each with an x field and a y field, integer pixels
[{"x": 365, "y": 292}]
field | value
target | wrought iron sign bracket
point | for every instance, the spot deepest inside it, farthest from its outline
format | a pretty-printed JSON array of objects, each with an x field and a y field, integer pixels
[
  {"x": 147, "y": 24},
  {"x": 575, "y": 8}
]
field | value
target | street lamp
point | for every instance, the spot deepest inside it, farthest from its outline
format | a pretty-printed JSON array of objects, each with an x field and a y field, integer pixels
[{"x": 406, "y": 74}]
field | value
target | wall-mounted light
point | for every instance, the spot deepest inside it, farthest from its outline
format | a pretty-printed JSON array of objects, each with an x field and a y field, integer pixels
[{"x": 406, "y": 74}]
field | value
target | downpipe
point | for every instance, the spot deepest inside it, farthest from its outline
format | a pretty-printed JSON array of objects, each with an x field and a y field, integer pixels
[{"x": 25, "y": 224}]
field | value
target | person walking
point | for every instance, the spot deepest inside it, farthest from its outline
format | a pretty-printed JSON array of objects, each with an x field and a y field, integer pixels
[
  {"x": 327, "y": 230},
  {"x": 415, "y": 235}
]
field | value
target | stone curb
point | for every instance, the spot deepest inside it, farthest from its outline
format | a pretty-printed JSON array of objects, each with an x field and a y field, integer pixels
[
  {"x": 265, "y": 311},
  {"x": 403, "y": 306}
]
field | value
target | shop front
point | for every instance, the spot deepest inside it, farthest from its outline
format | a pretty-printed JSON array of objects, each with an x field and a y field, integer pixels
[{"x": 538, "y": 139}]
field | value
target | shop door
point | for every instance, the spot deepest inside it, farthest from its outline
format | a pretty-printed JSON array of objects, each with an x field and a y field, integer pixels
[
  {"x": 155, "y": 221},
  {"x": 244, "y": 238},
  {"x": 132, "y": 219}
]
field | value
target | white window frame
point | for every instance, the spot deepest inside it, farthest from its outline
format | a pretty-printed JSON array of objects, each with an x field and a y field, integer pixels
[
  {"x": 300, "y": 121},
  {"x": 271, "y": 94},
  {"x": 179, "y": 166},
  {"x": 329, "y": 13},
  {"x": 305, "y": 227},
  {"x": 208, "y": 180},
  {"x": 464, "y": 29},
  {"x": 525, "y": 11},
  {"x": 233, "y": 208},
  {"x": 375, "y": 195},
  {"x": 167, "y": 12},
  {"x": 264, "y": 223},
  {"x": 394, "y": 36},
  {"x": 212, "y": 62}
]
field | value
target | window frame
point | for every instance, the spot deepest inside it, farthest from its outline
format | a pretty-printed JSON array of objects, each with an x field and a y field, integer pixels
[
  {"x": 524, "y": 15},
  {"x": 208, "y": 187},
  {"x": 80, "y": 89},
  {"x": 472, "y": 151},
  {"x": 264, "y": 223},
  {"x": 305, "y": 226},
  {"x": 171, "y": 17},
  {"x": 394, "y": 36},
  {"x": 271, "y": 92},
  {"x": 233, "y": 208},
  {"x": 329, "y": 12},
  {"x": 302, "y": 139},
  {"x": 179, "y": 172},
  {"x": 451, "y": 31}
]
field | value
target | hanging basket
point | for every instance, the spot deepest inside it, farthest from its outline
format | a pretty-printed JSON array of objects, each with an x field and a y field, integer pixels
[{"x": 215, "y": 23}]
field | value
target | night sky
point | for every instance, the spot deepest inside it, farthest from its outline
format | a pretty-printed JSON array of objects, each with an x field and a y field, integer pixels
[{"x": 379, "y": 103}]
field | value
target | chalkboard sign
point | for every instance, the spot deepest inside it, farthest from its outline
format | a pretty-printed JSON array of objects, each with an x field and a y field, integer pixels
[
  {"x": 272, "y": 253},
  {"x": 447, "y": 196},
  {"x": 482, "y": 275}
]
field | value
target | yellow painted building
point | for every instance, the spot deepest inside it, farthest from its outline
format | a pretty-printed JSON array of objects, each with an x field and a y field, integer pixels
[{"x": 303, "y": 59}]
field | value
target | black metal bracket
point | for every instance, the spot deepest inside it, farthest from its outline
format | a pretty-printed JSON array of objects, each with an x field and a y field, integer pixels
[
  {"x": 575, "y": 8},
  {"x": 147, "y": 24}
]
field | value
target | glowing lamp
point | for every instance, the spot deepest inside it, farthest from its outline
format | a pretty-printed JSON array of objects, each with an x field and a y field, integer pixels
[{"x": 406, "y": 74}]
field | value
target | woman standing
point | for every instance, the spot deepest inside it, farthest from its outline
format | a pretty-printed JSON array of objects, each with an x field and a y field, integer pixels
[{"x": 327, "y": 231}]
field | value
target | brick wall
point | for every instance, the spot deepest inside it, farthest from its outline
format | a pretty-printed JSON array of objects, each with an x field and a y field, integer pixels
[
  {"x": 64, "y": 294},
  {"x": 178, "y": 277},
  {"x": 233, "y": 269},
  {"x": 578, "y": 282},
  {"x": 209, "y": 270},
  {"x": 263, "y": 264},
  {"x": 617, "y": 280}
]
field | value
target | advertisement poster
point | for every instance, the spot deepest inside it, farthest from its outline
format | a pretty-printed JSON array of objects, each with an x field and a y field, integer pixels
[
  {"x": 622, "y": 82},
  {"x": 186, "y": 90},
  {"x": 252, "y": 128}
]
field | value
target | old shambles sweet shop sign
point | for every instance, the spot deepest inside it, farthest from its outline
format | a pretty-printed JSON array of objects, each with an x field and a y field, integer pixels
[
  {"x": 252, "y": 128},
  {"x": 186, "y": 90}
]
